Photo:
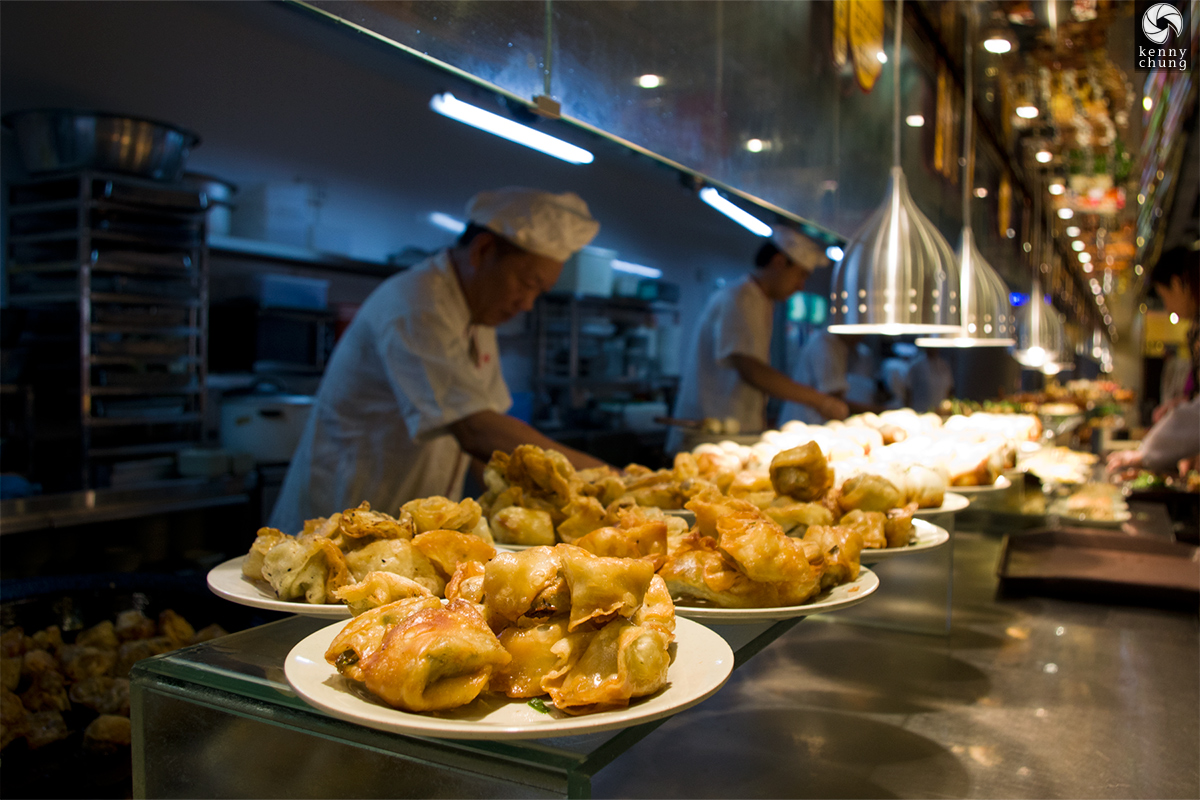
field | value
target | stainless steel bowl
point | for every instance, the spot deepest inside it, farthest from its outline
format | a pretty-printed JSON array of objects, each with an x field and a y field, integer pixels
[{"x": 59, "y": 140}]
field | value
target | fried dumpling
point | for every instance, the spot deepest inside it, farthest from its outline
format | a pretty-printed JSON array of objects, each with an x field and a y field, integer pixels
[
  {"x": 870, "y": 526},
  {"x": 585, "y": 514},
  {"x": 307, "y": 568},
  {"x": 533, "y": 658},
  {"x": 447, "y": 549},
  {"x": 133, "y": 624},
  {"x": 102, "y": 694},
  {"x": 841, "y": 547},
  {"x": 438, "y": 513},
  {"x": 378, "y": 589},
  {"x": 525, "y": 586},
  {"x": 767, "y": 555},
  {"x": 434, "y": 659},
  {"x": 13, "y": 717},
  {"x": 869, "y": 492},
  {"x": 363, "y": 635},
  {"x": 543, "y": 473},
  {"x": 657, "y": 608},
  {"x": 252, "y": 565},
  {"x": 467, "y": 582},
  {"x": 699, "y": 571},
  {"x": 898, "y": 525},
  {"x": 647, "y": 540},
  {"x": 398, "y": 556},
  {"x": 362, "y": 522},
  {"x": 107, "y": 734},
  {"x": 801, "y": 473},
  {"x": 622, "y": 661},
  {"x": 795, "y": 517},
  {"x": 926, "y": 485},
  {"x": 602, "y": 588},
  {"x": 519, "y": 525},
  {"x": 102, "y": 635}
]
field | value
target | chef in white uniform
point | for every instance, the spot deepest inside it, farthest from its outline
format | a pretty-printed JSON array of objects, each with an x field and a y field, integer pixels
[
  {"x": 930, "y": 381},
  {"x": 414, "y": 388},
  {"x": 727, "y": 371},
  {"x": 838, "y": 365}
]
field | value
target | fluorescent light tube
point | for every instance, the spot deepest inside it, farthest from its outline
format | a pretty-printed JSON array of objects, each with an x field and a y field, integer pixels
[
  {"x": 735, "y": 213},
  {"x": 447, "y": 222},
  {"x": 450, "y": 106},
  {"x": 636, "y": 269}
]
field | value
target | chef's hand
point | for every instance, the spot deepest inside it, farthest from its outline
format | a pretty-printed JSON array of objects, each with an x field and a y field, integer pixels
[
  {"x": 833, "y": 408},
  {"x": 1124, "y": 459}
]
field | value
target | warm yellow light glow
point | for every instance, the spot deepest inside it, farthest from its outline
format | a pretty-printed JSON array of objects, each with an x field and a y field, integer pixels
[
  {"x": 1072, "y": 231},
  {"x": 1027, "y": 112},
  {"x": 1043, "y": 156},
  {"x": 1077, "y": 246},
  {"x": 1056, "y": 189},
  {"x": 914, "y": 120},
  {"x": 755, "y": 145},
  {"x": 1147, "y": 102},
  {"x": 997, "y": 44},
  {"x": 1174, "y": 318},
  {"x": 981, "y": 192},
  {"x": 649, "y": 81},
  {"x": 1065, "y": 213}
]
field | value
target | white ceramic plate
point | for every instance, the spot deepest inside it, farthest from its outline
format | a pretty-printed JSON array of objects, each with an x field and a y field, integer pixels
[
  {"x": 682, "y": 513},
  {"x": 1001, "y": 483},
  {"x": 951, "y": 503},
  {"x": 1120, "y": 517},
  {"x": 835, "y": 599},
  {"x": 702, "y": 663},
  {"x": 227, "y": 581},
  {"x": 928, "y": 537},
  {"x": 516, "y": 548}
]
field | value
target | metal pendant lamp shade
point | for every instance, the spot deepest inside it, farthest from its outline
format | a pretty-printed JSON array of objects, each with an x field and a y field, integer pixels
[
  {"x": 898, "y": 275},
  {"x": 1039, "y": 333},
  {"x": 986, "y": 313}
]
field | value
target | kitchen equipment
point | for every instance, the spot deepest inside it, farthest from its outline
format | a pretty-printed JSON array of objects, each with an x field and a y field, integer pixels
[
  {"x": 218, "y": 195},
  {"x": 264, "y": 423},
  {"x": 55, "y": 140}
]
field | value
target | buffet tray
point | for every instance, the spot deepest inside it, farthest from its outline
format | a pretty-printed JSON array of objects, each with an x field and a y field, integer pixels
[{"x": 1091, "y": 564}]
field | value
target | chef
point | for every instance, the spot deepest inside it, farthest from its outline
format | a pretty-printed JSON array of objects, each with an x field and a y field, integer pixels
[
  {"x": 840, "y": 365},
  {"x": 413, "y": 389},
  {"x": 727, "y": 371}
]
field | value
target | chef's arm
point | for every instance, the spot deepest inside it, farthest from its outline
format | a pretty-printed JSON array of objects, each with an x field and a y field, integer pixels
[
  {"x": 767, "y": 379},
  {"x": 484, "y": 432}
]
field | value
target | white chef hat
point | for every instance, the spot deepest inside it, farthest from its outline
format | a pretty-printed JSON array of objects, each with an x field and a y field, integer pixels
[
  {"x": 806, "y": 252},
  {"x": 551, "y": 225}
]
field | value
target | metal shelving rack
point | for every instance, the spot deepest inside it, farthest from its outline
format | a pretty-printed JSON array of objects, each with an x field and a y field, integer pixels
[{"x": 112, "y": 272}]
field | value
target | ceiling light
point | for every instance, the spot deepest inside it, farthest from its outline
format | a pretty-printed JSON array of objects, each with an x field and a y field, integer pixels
[
  {"x": 1027, "y": 112},
  {"x": 1055, "y": 188},
  {"x": 757, "y": 145},
  {"x": 997, "y": 44},
  {"x": 1065, "y": 213},
  {"x": 882, "y": 56},
  {"x": 834, "y": 253},
  {"x": 1084, "y": 258},
  {"x": 636, "y": 269},
  {"x": 649, "y": 81},
  {"x": 447, "y": 222},
  {"x": 987, "y": 315},
  {"x": 1087, "y": 268},
  {"x": 450, "y": 106},
  {"x": 744, "y": 218},
  {"x": 1174, "y": 318},
  {"x": 981, "y": 192},
  {"x": 914, "y": 120},
  {"x": 1147, "y": 102},
  {"x": 1043, "y": 156},
  {"x": 1039, "y": 332},
  {"x": 1077, "y": 245},
  {"x": 1072, "y": 231}
]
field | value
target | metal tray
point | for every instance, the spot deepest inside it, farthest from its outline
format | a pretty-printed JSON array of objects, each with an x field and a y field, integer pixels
[{"x": 1090, "y": 564}]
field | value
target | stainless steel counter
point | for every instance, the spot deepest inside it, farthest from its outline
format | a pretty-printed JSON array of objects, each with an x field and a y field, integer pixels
[{"x": 105, "y": 505}]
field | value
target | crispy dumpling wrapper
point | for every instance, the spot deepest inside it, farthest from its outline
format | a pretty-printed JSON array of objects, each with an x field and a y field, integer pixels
[
  {"x": 362, "y": 522},
  {"x": 447, "y": 549},
  {"x": 533, "y": 658},
  {"x": 699, "y": 571},
  {"x": 869, "y": 492},
  {"x": 467, "y": 582},
  {"x": 252, "y": 565},
  {"x": 585, "y": 514},
  {"x": 602, "y": 588},
  {"x": 795, "y": 517},
  {"x": 622, "y": 661},
  {"x": 542, "y": 473},
  {"x": 439, "y": 513},
  {"x": 870, "y": 526},
  {"x": 524, "y": 586},
  {"x": 520, "y": 525},
  {"x": 840, "y": 547},
  {"x": 379, "y": 589},
  {"x": 398, "y": 556},
  {"x": 898, "y": 525},
  {"x": 363, "y": 634},
  {"x": 801, "y": 473},
  {"x": 434, "y": 659},
  {"x": 308, "y": 568}
]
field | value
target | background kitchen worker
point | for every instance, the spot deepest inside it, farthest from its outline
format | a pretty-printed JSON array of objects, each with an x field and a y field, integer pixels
[
  {"x": 413, "y": 388},
  {"x": 1175, "y": 437},
  {"x": 839, "y": 365},
  {"x": 727, "y": 370}
]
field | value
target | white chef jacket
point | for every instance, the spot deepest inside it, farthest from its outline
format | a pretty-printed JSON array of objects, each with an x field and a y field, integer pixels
[
  {"x": 823, "y": 364},
  {"x": 736, "y": 319},
  {"x": 408, "y": 366}
]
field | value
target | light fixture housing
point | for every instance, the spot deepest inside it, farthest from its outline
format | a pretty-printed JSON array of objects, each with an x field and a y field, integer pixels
[
  {"x": 898, "y": 275},
  {"x": 736, "y": 213},
  {"x": 986, "y": 312},
  {"x": 450, "y": 106},
  {"x": 1039, "y": 332}
]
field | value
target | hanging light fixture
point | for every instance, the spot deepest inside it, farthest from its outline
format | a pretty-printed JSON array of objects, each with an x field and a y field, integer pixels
[
  {"x": 985, "y": 311},
  {"x": 898, "y": 275},
  {"x": 1039, "y": 331}
]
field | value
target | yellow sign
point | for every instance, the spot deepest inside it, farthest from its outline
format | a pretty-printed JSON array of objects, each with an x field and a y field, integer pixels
[{"x": 866, "y": 40}]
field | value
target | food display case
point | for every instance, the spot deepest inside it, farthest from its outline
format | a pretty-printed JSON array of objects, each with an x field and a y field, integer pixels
[{"x": 221, "y": 720}]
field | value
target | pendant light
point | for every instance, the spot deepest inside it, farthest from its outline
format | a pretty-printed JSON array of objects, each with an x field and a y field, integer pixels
[
  {"x": 985, "y": 311},
  {"x": 898, "y": 274},
  {"x": 1039, "y": 331}
]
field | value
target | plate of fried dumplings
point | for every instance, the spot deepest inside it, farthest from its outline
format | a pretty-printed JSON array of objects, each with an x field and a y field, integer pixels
[
  {"x": 836, "y": 598},
  {"x": 926, "y": 536},
  {"x": 226, "y": 580},
  {"x": 701, "y": 662}
]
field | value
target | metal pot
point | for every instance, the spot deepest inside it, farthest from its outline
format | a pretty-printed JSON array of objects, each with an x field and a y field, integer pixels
[
  {"x": 59, "y": 140},
  {"x": 264, "y": 424},
  {"x": 218, "y": 197}
]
